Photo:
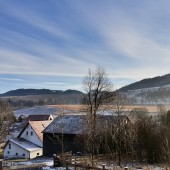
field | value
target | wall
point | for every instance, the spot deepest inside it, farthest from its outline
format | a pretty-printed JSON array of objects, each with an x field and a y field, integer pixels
[
  {"x": 51, "y": 147},
  {"x": 32, "y": 138},
  {"x": 35, "y": 153},
  {"x": 15, "y": 149}
]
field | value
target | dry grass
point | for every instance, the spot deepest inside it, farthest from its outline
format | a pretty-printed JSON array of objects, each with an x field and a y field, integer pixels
[
  {"x": 77, "y": 108},
  {"x": 68, "y": 107}
]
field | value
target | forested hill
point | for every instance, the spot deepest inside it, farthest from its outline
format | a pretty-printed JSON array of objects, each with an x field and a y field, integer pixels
[
  {"x": 26, "y": 92},
  {"x": 148, "y": 83}
]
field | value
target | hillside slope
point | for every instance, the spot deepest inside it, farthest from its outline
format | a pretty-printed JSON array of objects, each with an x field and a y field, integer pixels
[
  {"x": 148, "y": 83},
  {"x": 151, "y": 91}
]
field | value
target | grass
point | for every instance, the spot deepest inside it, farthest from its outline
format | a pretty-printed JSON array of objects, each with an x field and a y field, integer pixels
[{"x": 150, "y": 108}]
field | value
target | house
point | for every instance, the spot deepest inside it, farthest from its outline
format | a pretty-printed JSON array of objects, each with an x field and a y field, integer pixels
[
  {"x": 39, "y": 117},
  {"x": 21, "y": 148},
  {"x": 29, "y": 142},
  {"x": 69, "y": 131},
  {"x": 36, "y": 117}
]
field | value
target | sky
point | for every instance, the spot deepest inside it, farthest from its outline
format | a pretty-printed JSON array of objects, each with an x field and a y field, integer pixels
[{"x": 52, "y": 43}]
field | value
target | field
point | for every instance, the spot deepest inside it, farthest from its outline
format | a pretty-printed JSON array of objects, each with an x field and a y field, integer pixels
[{"x": 77, "y": 108}]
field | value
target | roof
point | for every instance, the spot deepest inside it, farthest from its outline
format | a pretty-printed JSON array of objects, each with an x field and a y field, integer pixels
[
  {"x": 69, "y": 124},
  {"x": 24, "y": 144},
  {"x": 75, "y": 124},
  {"x": 38, "y": 127},
  {"x": 38, "y": 117}
]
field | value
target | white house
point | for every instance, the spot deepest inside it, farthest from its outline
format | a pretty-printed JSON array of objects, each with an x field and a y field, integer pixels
[
  {"x": 20, "y": 148},
  {"x": 29, "y": 142}
]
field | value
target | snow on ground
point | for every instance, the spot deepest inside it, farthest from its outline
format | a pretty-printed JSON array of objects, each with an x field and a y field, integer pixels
[
  {"x": 58, "y": 168},
  {"x": 40, "y": 160},
  {"x": 38, "y": 110}
]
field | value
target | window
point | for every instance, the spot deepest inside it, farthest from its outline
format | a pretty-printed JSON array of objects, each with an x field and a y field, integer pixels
[
  {"x": 38, "y": 154},
  {"x": 8, "y": 152},
  {"x": 23, "y": 154},
  {"x": 27, "y": 132},
  {"x": 9, "y": 146},
  {"x": 16, "y": 154},
  {"x": 31, "y": 133}
]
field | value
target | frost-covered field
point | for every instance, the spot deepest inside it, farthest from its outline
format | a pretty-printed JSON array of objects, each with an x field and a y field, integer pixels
[{"x": 39, "y": 110}]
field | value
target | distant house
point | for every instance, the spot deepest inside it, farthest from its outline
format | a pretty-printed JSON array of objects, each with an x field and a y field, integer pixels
[
  {"x": 39, "y": 117},
  {"x": 71, "y": 128},
  {"x": 29, "y": 142}
]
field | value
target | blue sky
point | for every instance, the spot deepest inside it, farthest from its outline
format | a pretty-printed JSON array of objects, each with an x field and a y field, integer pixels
[{"x": 52, "y": 43}]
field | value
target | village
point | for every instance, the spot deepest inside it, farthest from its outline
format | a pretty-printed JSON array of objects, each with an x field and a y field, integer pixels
[
  {"x": 46, "y": 141},
  {"x": 104, "y": 132}
]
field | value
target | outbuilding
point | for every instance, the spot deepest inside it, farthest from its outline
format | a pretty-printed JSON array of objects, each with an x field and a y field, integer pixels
[{"x": 20, "y": 148}]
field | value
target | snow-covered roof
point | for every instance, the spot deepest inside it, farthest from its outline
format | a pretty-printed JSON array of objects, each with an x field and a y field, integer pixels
[
  {"x": 25, "y": 144},
  {"x": 76, "y": 124},
  {"x": 68, "y": 124}
]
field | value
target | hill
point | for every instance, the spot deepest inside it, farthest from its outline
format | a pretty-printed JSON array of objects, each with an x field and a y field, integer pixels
[
  {"x": 22, "y": 98},
  {"x": 148, "y": 83},
  {"x": 149, "y": 91},
  {"x": 26, "y": 92}
]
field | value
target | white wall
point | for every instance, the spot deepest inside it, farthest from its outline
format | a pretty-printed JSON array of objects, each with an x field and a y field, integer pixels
[
  {"x": 11, "y": 153},
  {"x": 35, "y": 153},
  {"x": 32, "y": 138},
  {"x": 51, "y": 117}
]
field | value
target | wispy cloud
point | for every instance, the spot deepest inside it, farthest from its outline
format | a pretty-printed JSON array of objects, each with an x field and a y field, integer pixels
[
  {"x": 11, "y": 79},
  {"x": 63, "y": 39}
]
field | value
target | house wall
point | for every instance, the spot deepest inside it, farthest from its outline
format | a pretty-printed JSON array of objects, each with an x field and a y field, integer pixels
[
  {"x": 31, "y": 138},
  {"x": 50, "y": 145},
  {"x": 51, "y": 117},
  {"x": 35, "y": 153},
  {"x": 15, "y": 151}
]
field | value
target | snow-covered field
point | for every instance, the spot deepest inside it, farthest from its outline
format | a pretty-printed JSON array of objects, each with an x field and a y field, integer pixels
[{"x": 39, "y": 110}]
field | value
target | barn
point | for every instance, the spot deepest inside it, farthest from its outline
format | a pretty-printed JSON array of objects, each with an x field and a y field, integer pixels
[
  {"x": 68, "y": 133},
  {"x": 64, "y": 133}
]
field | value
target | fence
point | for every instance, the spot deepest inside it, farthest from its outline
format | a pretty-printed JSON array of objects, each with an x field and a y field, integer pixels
[{"x": 80, "y": 162}]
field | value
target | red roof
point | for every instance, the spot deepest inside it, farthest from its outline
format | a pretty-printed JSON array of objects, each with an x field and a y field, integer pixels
[{"x": 38, "y": 127}]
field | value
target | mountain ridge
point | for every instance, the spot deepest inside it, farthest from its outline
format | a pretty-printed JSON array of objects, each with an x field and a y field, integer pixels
[
  {"x": 157, "y": 81},
  {"x": 26, "y": 92}
]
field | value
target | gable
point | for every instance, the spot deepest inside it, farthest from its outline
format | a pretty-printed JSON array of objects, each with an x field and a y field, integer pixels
[{"x": 32, "y": 132}]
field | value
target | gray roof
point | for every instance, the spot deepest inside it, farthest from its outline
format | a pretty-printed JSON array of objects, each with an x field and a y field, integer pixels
[
  {"x": 75, "y": 124},
  {"x": 25, "y": 144},
  {"x": 67, "y": 124}
]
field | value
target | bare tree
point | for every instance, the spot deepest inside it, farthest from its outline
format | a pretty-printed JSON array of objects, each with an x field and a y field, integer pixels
[
  {"x": 119, "y": 129},
  {"x": 6, "y": 119},
  {"x": 98, "y": 89},
  {"x": 59, "y": 138}
]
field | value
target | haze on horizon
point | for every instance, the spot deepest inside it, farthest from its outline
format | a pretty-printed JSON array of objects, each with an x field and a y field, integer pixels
[{"x": 51, "y": 44}]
